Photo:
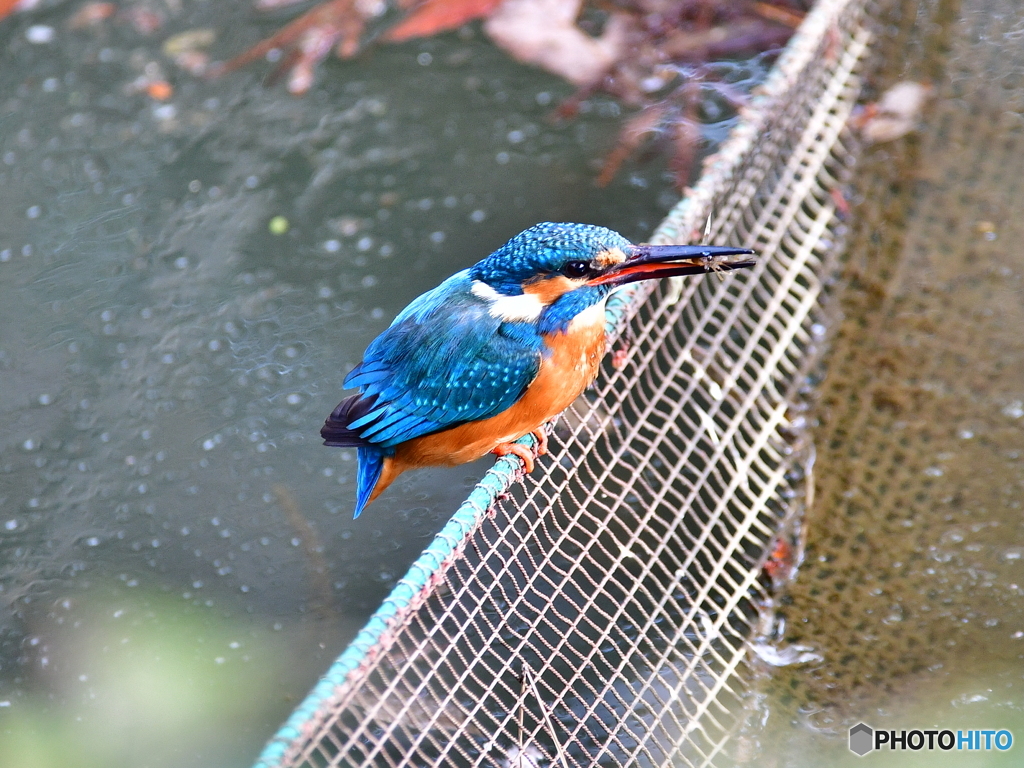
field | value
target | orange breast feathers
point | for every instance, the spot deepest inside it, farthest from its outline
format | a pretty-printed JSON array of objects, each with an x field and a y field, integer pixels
[{"x": 570, "y": 367}]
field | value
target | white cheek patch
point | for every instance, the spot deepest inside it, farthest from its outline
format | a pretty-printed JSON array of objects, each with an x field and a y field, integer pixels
[
  {"x": 526, "y": 307},
  {"x": 588, "y": 318}
]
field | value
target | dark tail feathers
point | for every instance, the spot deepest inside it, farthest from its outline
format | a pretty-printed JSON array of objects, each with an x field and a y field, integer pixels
[{"x": 335, "y": 431}]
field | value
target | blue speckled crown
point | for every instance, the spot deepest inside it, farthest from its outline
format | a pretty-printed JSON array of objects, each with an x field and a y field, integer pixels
[{"x": 544, "y": 247}]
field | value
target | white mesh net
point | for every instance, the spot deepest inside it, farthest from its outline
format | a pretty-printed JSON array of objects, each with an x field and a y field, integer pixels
[{"x": 600, "y": 612}]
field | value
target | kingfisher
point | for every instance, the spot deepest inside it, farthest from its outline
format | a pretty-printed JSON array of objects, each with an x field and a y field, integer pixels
[{"x": 496, "y": 351}]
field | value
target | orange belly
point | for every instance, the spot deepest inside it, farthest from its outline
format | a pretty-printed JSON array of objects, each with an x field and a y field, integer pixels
[{"x": 570, "y": 367}]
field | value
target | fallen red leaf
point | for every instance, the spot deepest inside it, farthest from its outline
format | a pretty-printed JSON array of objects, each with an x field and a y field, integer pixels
[
  {"x": 433, "y": 16},
  {"x": 334, "y": 19},
  {"x": 781, "y": 561},
  {"x": 6, "y": 6},
  {"x": 631, "y": 136}
]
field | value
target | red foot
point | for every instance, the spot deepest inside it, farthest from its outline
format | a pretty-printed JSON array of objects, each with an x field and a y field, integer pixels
[
  {"x": 524, "y": 453},
  {"x": 528, "y": 456},
  {"x": 541, "y": 436}
]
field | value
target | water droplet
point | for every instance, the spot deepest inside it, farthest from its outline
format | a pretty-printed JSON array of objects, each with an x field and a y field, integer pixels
[
  {"x": 40, "y": 34},
  {"x": 1014, "y": 410},
  {"x": 165, "y": 112}
]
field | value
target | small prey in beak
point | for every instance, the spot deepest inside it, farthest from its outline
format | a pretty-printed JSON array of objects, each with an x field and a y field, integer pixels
[{"x": 646, "y": 262}]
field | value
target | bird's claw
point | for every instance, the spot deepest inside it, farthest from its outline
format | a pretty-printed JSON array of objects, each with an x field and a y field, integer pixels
[
  {"x": 541, "y": 436},
  {"x": 515, "y": 449},
  {"x": 529, "y": 456}
]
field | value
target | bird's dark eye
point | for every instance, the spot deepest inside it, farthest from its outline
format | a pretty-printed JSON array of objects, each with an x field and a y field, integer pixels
[{"x": 576, "y": 269}]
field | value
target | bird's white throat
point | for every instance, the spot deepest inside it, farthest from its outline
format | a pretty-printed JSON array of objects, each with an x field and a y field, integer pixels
[{"x": 526, "y": 307}]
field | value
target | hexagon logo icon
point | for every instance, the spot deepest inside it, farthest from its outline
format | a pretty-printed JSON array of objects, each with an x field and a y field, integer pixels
[{"x": 861, "y": 739}]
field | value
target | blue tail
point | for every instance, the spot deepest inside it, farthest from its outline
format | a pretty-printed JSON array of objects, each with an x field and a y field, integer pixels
[{"x": 371, "y": 462}]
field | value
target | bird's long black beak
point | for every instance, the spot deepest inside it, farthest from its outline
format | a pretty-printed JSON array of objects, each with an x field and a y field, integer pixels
[{"x": 649, "y": 262}]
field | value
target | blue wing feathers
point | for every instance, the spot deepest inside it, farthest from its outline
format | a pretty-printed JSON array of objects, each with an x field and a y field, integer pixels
[
  {"x": 369, "y": 418},
  {"x": 444, "y": 361}
]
